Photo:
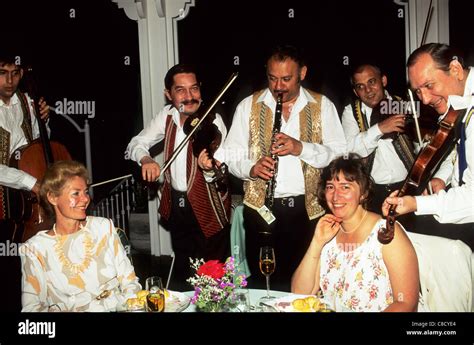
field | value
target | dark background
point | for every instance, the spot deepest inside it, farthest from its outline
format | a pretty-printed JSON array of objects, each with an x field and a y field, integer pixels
[{"x": 83, "y": 58}]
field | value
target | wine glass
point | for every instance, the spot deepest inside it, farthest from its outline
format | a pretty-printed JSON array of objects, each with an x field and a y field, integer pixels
[
  {"x": 155, "y": 300},
  {"x": 267, "y": 267}
]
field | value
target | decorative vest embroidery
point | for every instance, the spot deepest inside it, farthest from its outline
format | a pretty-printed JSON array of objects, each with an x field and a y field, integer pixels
[
  {"x": 402, "y": 144},
  {"x": 27, "y": 117},
  {"x": 211, "y": 208},
  {"x": 5, "y": 147},
  {"x": 4, "y": 159},
  {"x": 261, "y": 124}
]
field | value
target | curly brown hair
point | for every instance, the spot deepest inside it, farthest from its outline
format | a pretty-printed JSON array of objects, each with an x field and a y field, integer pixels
[
  {"x": 54, "y": 180},
  {"x": 354, "y": 169}
]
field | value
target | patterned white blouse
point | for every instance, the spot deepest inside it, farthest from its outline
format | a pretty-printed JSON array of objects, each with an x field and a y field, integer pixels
[
  {"x": 85, "y": 271},
  {"x": 356, "y": 279}
]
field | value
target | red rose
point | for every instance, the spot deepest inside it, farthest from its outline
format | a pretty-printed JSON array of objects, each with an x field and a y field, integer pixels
[{"x": 212, "y": 268}]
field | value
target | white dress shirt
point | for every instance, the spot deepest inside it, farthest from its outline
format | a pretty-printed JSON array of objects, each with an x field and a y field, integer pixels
[
  {"x": 457, "y": 204},
  {"x": 290, "y": 179},
  {"x": 388, "y": 167},
  {"x": 155, "y": 132},
  {"x": 11, "y": 118}
]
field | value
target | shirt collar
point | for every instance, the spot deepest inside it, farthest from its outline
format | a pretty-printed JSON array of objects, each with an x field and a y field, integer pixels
[
  {"x": 366, "y": 108},
  {"x": 174, "y": 114},
  {"x": 304, "y": 98},
  {"x": 466, "y": 101},
  {"x": 14, "y": 100}
]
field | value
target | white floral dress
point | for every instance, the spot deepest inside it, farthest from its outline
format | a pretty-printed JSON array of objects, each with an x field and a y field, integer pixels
[
  {"x": 356, "y": 279},
  {"x": 86, "y": 271}
]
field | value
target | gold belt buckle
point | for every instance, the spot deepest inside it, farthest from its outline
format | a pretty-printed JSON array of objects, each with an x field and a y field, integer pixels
[{"x": 104, "y": 294}]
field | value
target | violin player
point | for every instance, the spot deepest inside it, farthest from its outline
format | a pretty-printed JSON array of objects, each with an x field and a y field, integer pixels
[
  {"x": 378, "y": 137},
  {"x": 440, "y": 79},
  {"x": 194, "y": 212},
  {"x": 18, "y": 127}
]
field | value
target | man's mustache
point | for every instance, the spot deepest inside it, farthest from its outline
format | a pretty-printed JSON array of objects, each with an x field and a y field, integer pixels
[{"x": 190, "y": 101}]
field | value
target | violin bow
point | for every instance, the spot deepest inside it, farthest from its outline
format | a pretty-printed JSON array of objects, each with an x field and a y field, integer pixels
[
  {"x": 111, "y": 180},
  {"x": 427, "y": 23},
  {"x": 385, "y": 235},
  {"x": 418, "y": 133}
]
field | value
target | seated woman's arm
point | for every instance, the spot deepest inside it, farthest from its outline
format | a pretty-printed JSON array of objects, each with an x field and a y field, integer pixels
[
  {"x": 305, "y": 280},
  {"x": 402, "y": 265},
  {"x": 33, "y": 296}
]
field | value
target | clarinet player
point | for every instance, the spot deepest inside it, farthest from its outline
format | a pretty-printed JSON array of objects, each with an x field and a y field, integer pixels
[{"x": 310, "y": 137}]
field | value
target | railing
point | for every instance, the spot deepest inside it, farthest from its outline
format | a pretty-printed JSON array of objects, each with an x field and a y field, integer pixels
[{"x": 120, "y": 202}]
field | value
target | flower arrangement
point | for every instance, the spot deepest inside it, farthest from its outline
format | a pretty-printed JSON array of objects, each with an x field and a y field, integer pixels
[{"x": 214, "y": 284}]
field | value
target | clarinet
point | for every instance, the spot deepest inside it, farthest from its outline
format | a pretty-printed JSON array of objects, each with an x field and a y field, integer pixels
[{"x": 271, "y": 184}]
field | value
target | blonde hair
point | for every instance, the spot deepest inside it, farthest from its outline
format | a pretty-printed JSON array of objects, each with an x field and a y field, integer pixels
[{"x": 54, "y": 180}]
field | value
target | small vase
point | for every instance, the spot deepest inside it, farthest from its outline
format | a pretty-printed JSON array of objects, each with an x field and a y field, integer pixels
[{"x": 213, "y": 308}]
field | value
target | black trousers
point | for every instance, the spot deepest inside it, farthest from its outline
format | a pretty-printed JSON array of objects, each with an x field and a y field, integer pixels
[
  {"x": 188, "y": 241},
  {"x": 291, "y": 234}
]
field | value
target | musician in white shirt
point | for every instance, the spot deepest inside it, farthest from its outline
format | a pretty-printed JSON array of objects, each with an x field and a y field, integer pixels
[
  {"x": 441, "y": 81},
  {"x": 11, "y": 119},
  {"x": 301, "y": 151}
]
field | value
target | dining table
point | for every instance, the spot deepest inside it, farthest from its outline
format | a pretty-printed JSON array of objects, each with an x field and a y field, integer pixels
[{"x": 254, "y": 296}]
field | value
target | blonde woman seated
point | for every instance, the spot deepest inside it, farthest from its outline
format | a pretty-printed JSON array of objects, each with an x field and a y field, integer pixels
[
  {"x": 80, "y": 264},
  {"x": 353, "y": 270}
]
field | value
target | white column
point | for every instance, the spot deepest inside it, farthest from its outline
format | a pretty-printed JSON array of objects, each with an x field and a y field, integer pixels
[
  {"x": 438, "y": 29},
  {"x": 158, "y": 45}
]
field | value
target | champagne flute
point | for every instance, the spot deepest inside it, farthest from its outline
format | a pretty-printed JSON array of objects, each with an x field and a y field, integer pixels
[
  {"x": 267, "y": 267},
  {"x": 155, "y": 300}
]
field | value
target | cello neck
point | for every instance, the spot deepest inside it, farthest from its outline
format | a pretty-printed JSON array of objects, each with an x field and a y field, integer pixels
[{"x": 43, "y": 133}]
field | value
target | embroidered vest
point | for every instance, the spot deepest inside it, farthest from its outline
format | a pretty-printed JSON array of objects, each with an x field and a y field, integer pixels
[
  {"x": 402, "y": 144},
  {"x": 211, "y": 207},
  {"x": 5, "y": 146},
  {"x": 261, "y": 124}
]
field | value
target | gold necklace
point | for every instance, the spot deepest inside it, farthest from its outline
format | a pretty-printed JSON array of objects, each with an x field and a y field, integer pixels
[
  {"x": 351, "y": 231},
  {"x": 74, "y": 269}
]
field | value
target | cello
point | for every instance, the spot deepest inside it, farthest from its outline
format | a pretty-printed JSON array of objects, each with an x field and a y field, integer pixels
[{"x": 34, "y": 159}]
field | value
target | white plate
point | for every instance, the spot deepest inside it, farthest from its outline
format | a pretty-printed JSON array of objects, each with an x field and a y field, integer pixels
[
  {"x": 284, "y": 304},
  {"x": 176, "y": 302}
]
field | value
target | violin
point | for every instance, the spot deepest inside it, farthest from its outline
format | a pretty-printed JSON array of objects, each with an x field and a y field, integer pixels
[
  {"x": 206, "y": 136},
  {"x": 426, "y": 164}
]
